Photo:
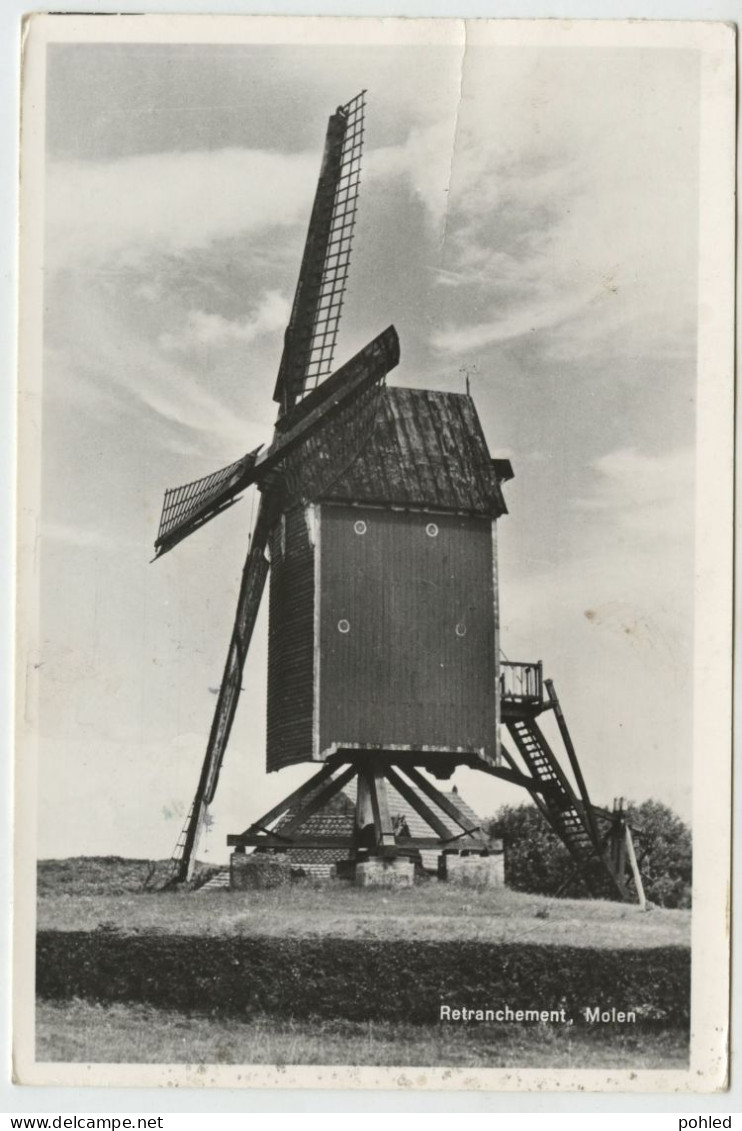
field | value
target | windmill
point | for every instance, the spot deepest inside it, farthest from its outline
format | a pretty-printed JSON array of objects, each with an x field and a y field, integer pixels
[{"x": 378, "y": 522}]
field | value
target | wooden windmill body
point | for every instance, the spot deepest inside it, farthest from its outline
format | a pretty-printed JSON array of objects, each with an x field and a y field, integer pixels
[
  {"x": 378, "y": 524},
  {"x": 383, "y": 634}
]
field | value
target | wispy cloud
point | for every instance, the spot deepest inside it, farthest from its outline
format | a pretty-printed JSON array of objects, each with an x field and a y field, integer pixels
[
  {"x": 202, "y": 329},
  {"x": 522, "y": 320},
  {"x": 114, "y": 365},
  {"x": 131, "y": 208},
  {"x": 612, "y": 619},
  {"x": 556, "y": 211},
  {"x": 423, "y": 163},
  {"x": 647, "y": 497},
  {"x": 629, "y": 563}
]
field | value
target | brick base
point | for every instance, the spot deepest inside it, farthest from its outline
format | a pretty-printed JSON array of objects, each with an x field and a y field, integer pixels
[
  {"x": 379, "y": 873},
  {"x": 473, "y": 871},
  {"x": 258, "y": 870}
]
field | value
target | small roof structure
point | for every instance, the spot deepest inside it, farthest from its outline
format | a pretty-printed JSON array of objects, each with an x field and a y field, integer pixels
[{"x": 337, "y": 819}]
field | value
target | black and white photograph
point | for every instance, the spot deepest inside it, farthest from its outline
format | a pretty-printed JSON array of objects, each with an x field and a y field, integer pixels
[{"x": 375, "y": 553}]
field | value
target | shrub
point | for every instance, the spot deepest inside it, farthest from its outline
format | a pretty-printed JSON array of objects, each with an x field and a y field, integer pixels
[
  {"x": 359, "y": 979},
  {"x": 536, "y": 860}
]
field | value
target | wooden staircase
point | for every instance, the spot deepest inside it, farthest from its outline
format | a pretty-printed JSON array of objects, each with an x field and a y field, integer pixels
[
  {"x": 586, "y": 830},
  {"x": 563, "y": 809}
]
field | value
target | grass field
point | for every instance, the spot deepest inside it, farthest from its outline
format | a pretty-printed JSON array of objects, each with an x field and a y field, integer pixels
[
  {"x": 430, "y": 911},
  {"x": 135, "y": 1034},
  {"x": 102, "y": 901}
]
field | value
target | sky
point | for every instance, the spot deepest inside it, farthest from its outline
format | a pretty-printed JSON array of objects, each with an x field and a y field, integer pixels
[{"x": 528, "y": 220}]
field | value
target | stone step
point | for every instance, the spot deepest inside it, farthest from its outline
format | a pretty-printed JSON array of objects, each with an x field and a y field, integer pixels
[{"x": 218, "y": 882}]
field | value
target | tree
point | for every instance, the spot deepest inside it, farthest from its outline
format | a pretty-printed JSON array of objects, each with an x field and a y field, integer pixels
[
  {"x": 535, "y": 858},
  {"x": 537, "y": 861},
  {"x": 664, "y": 852}
]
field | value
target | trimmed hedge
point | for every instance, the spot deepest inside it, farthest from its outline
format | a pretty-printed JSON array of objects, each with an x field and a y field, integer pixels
[{"x": 359, "y": 979}]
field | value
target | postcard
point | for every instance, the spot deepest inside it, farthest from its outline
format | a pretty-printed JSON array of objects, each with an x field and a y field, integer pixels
[{"x": 375, "y": 553}]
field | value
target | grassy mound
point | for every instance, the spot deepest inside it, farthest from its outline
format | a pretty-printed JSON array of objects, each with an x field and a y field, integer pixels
[
  {"x": 106, "y": 875},
  {"x": 429, "y": 912}
]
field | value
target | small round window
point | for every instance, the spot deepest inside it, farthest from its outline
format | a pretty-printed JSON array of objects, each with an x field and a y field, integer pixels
[
  {"x": 431, "y": 530},
  {"x": 360, "y": 526},
  {"x": 461, "y": 630},
  {"x": 343, "y": 626}
]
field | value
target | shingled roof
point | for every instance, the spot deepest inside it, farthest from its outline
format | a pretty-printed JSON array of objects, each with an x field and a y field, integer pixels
[
  {"x": 424, "y": 448},
  {"x": 338, "y": 820}
]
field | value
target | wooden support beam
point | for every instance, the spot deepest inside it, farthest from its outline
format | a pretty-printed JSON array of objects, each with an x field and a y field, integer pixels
[
  {"x": 374, "y": 775},
  {"x": 618, "y": 853},
  {"x": 316, "y": 801},
  {"x": 635, "y": 870},
  {"x": 272, "y": 840},
  {"x": 424, "y": 842},
  {"x": 287, "y": 802},
  {"x": 412, "y": 798},
  {"x": 440, "y": 800},
  {"x": 512, "y": 776},
  {"x": 572, "y": 755}
]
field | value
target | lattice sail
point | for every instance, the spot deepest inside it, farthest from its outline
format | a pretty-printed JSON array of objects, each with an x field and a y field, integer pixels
[
  {"x": 313, "y": 329},
  {"x": 337, "y": 257},
  {"x": 190, "y": 506}
]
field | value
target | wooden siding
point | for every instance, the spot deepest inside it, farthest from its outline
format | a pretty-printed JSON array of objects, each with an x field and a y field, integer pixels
[
  {"x": 496, "y": 625},
  {"x": 291, "y": 642},
  {"x": 416, "y": 667},
  {"x": 426, "y": 449}
]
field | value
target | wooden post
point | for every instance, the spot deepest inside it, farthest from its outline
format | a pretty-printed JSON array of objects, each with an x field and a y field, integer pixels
[
  {"x": 635, "y": 870},
  {"x": 620, "y": 851},
  {"x": 572, "y": 755},
  {"x": 314, "y": 782},
  {"x": 364, "y": 812},
  {"x": 380, "y": 805}
]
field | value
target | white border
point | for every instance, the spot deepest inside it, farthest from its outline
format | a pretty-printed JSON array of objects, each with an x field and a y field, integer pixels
[{"x": 714, "y": 623}]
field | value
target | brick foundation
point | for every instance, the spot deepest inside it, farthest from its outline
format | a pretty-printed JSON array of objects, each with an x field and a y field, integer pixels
[
  {"x": 258, "y": 870},
  {"x": 473, "y": 871},
  {"x": 380, "y": 873}
]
